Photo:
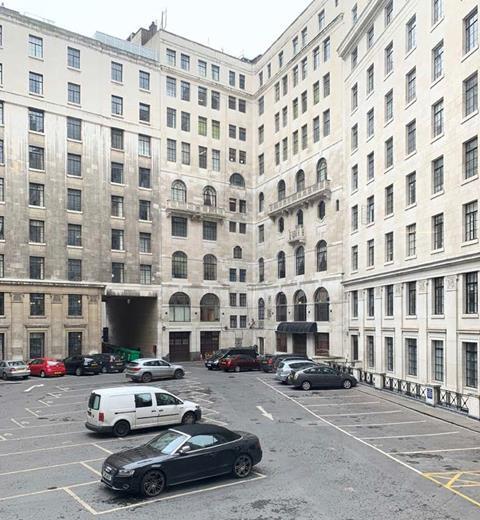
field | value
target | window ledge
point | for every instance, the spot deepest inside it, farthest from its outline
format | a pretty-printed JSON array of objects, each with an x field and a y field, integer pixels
[
  {"x": 410, "y": 51},
  {"x": 437, "y": 80},
  {"x": 390, "y": 215},
  {"x": 38, "y": 58},
  {"x": 437, "y": 137},
  {"x": 437, "y": 251},
  {"x": 147, "y": 91},
  {"x": 370, "y": 224},
  {"x": 369, "y": 181},
  {"x": 117, "y": 116},
  {"x": 390, "y": 262},
  {"x": 437, "y": 23},
  {"x": 69, "y": 67},
  {"x": 144, "y": 189},
  {"x": 72, "y": 104},
  {"x": 469, "y": 116},
  {"x": 469, "y": 53},
  {"x": 411, "y": 154},
  {"x": 354, "y": 232},
  {"x": 410, "y": 206},
  {"x": 390, "y": 168},
  {"x": 71, "y": 140},
  {"x": 146, "y": 253},
  {"x": 117, "y": 149},
  {"x": 35, "y": 94},
  {"x": 74, "y": 212},
  {"x": 470, "y": 179},
  {"x": 387, "y": 122},
  {"x": 389, "y": 318},
  {"x": 353, "y": 192},
  {"x": 411, "y": 317},
  {"x": 37, "y": 243},
  {"x": 74, "y": 317},
  {"x": 70, "y": 176},
  {"x": 146, "y": 123},
  {"x": 74, "y": 247},
  {"x": 115, "y": 82},
  {"x": 116, "y": 217},
  {"x": 437, "y": 316},
  {"x": 470, "y": 242},
  {"x": 411, "y": 102},
  {"x": 36, "y": 170},
  {"x": 34, "y": 132},
  {"x": 437, "y": 194},
  {"x": 470, "y": 316},
  {"x": 413, "y": 257},
  {"x": 33, "y": 206},
  {"x": 370, "y": 268},
  {"x": 354, "y": 272},
  {"x": 388, "y": 75}
]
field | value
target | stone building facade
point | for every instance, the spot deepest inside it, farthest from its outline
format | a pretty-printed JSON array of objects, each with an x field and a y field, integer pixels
[{"x": 320, "y": 198}]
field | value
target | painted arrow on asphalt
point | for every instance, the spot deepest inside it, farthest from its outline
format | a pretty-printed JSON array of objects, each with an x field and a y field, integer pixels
[
  {"x": 32, "y": 387},
  {"x": 266, "y": 414}
]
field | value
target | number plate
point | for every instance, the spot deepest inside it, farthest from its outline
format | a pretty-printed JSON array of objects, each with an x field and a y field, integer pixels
[{"x": 107, "y": 476}]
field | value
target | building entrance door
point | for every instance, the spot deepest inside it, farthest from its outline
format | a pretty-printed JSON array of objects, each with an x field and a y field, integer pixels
[
  {"x": 209, "y": 342},
  {"x": 179, "y": 346},
  {"x": 300, "y": 344}
]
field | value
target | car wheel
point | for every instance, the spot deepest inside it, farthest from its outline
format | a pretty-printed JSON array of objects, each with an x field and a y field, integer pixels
[
  {"x": 104, "y": 370},
  {"x": 25, "y": 377},
  {"x": 242, "y": 467},
  {"x": 209, "y": 368},
  {"x": 147, "y": 377},
  {"x": 188, "y": 418},
  {"x": 306, "y": 385},
  {"x": 121, "y": 429},
  {"x": 153, "y": 483},
  {"x": 178, "y": 374},
  {"x": 78, "y": 371},
  {"x": 237, "y": 369},
  {"x": 347, "y": 384},
  {"x": 42, "y": 373},
  {"x": 4, "y": 376}
]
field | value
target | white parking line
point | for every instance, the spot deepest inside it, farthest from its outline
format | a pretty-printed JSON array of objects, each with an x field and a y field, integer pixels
[
  {"x": 44, "y": 491},
  {"x": 55, "y": 448},
  {"x": 80, "y": 501},
  {"x": 14, "y": 422},
  {"x": 434, "y": 451},
  {"x": 33, "y": 413},
  {"x": 408, "y": 436},
  {"x": 49, "y": 424},
  {"x": 65, "y": 404},
  {"x": 18, "y": 439},
  {"x": 343, "y": 404},
  {"x": 102, "y": 448},
  {"x": 361, "y": 413},
  {"x": 367, "y": 425},
  {"x": 43, "y": 468},
  {"x": 43, "y": 402},
  {"x": 85, "y": 465}
]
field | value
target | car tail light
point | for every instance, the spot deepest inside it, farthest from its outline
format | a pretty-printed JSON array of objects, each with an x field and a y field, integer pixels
[
  {"x": 270, "y": 361},
  {"x": 134, "y": 369},
  {"x": 101, "y": 416}
]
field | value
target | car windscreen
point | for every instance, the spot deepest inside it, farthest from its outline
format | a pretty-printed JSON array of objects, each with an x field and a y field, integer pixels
[
  {"x": 16, "y": 363},
  {"x": 94, "y": 401},
  {"x": 53, "y": 362},
  {"x": 168, "y": 441}
]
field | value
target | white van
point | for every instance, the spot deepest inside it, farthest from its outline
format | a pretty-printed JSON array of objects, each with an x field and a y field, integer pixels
[{"x": 121, "y": 409}]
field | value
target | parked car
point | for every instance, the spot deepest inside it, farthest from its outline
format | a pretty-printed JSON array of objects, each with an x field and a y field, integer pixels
[
  {"x": 213, "y": 363},
  {"x": 148, "y": 369},
  {"x": 80, "y": 365},
  {"x": 266, "y": 361},
  {"x": 46, "y": 367},
  {"x": 10, "y": 369},
  {"x": 109, "y": 362},
  {"x": 121, "y": 409},
  {"x": 285, "y": 368},
  {"x": 184, "y": 454},
  {"x": 322, "y": 377},
  {"x": 238, "y": 362},
  {"x": 283, "y": 357}
]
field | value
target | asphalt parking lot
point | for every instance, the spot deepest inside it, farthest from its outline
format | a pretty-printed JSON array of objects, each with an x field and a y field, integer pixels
[{"x": 330, "y": 454}]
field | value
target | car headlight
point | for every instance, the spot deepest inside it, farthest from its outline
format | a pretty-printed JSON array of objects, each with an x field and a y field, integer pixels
[
  {"x": 126, "y": 472},
  {"x": 295, "y": 376}
]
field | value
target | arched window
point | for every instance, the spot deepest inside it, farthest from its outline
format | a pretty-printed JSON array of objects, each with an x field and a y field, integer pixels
[
  {"x": 179, "y": 307},
  {"x": 179, "y": 265},
  {"x": 209, "y": 267},
  {"x": 261, "y": 309},
  {"x": 281, "y": 264},
  {"x": 281, "y": 225},
  {"x": 321, "y": 210},
  {"x": 209, "y": 196},
  {"x": 261, "y": 201},
  {"x": 322, "y": 305},
  {"x": 299, "y": 217},
  {"x": 237, "y": 252},
  {"x": 321, "y": 170},
  {"x": 281, "y": 307},
  {"x": 300, "y": 261},
  {"x": 299, "y": 306},
  {"x": 237, "y": 180},
  {"x": 209, "y": 308},
  {"x": 300, "y": 180},
  {"x": 322, "y": 256},
  {"x": 261, "y": 270},
  {"x": 281, "y": 190},
  {"x": 179, "y": 191}
]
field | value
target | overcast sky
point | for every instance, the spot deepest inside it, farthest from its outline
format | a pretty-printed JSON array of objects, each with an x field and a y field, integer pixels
[{"x": 244, "y": 28}]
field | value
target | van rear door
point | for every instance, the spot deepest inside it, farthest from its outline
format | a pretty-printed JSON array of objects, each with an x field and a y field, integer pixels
[{"x": 93, "y": 408}]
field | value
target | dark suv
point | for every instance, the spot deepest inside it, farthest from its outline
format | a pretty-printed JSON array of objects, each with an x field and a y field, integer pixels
[
  {"x": 214, "y": 361},
  {"x": 271, "y": 363},
  {"x": 109, "y": 362},
  {"x": 80, "y": 365}
]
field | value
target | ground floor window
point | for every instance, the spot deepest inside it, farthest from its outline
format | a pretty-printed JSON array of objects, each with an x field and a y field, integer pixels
[
  {"x": 389, "y": 354},
  {"x": 370, "y": 351},
  {"x": 438, "y": 363},
  {"x": 355, "y": 348},
  {"x": 74, "y": 343},
  {"x": 281, "y": 342},
  {"x": 322, "y": 344},
  {"x": 37, "y": 345},
  {"x": 411, "y": 344},
  {"x": 471, "y": 364}
]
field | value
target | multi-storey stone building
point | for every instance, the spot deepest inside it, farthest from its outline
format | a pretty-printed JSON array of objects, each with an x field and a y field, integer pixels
[{"x": 320, "y": 198}]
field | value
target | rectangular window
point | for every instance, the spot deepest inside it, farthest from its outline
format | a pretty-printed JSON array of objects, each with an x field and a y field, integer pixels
[
  {"x": 215, "y": 99},
  {"x": 389, "y": 354},
  {"x": 144, "y": 145},
  {"x": 179, "y": 226},
  {"x": 370, "y": 122},
  {"x": 117, "y": 206},
  {"x": 411, "y": 298},
  {"x": 437, "y": 118},
  {"x": 370, "y": 79},
  {"x": 73, "y": 93},
  {"x": 470, "y": 94},
  {"x": 326, "y": 123},
  {"x": 389, "y": 247},
  {"x": 370, "y": 209},
  {"x": 411, "y": 29},
  {"x": 411, "y": 346},
  {"x": 354, "y": 137},
  {"x": 74, "y": 270},
  {"x": 116, "y": 173},
  {"x": 117, "y": 105},
  {"x": 184, "y": 90},
  {"x": 36, "y": 194},
  {"x": 437, "y": 61},
  {"x": 326, "y": 85},
  {"x": 354, "y": 303},
  {"x": 261, "y": 106},
  {"x": 74, "y": 236},
  {"x": 145, "y": 274},
  {"x": 144, "y": 80},
  {"x": 470, "y": 158},
  {"x": 117, "y": 240},
  {"x": 284, "y": 85},
  {"x": 117, "y": 72},
  {"x": 117, "y": 138},
  {"x": 389, "y": 106},
  {"x": 471, "y": 364},
  {"x": 388, "y": 58},
  {"x": 411, "y": 137},
  {"x": 144, "y": 112},
  {"x": 35, "y": 46},
  {"x": 74, "y": 343},
  {"x": 216, "y": 160},
  {"x": 470, "y": 221},
  {"x": 185, "y": 61},
  {"x": 36, "y": 120},
  {"x": 326, "y": 49},
  {"x": 370, "y": 37},
  {"x": 470, "y": 288},
  {"x": 242, "y": 275},
  {"x": 171, "y": 86},
  {"x": 185, "y": 122},
  {"x": 37, "y": 304},
  {"x": 389, "y": 300},
  {"x": 73, "y": 58},
  {"x": 411, "y": 85},
  {"x": 437, "y": 231},
  {"x": 389, "y": 200},
  {"x": 118, "y": 272},
  {"x": 304, "y": 137},
  {"x": 37, "y": 267},
  {"x": 411, "y": 236},
  {"x": 74, "y": 128},
  {"x": 171, "y": 118},
  {"x": 370, "y": 351},
  {"x": 144, "y": 210},
  {"x": 389, "y": 153},
  {"x": 202, "y": 157},
  {"x": 437, "y": 175},
  {"x": 354, "y": 177},
  {"x": 202, "y": 68},
  {"x": 74, "y": 200},
  {"x": 316, "y": 130},
  {"x": 171, "y": 58},
  {"x": 144, "y": 178},
  {"x": 36, "y": 158},
  {"x": 35, "y": 83},
  {"x": 186, "y": 153},
  {"x": 370, "y": 253},
  {"x": 202, "y": 96},
  {"x": 438, "y": 296},
  {"x": 437, "y": 11},
  {"x": 470, "y": 31},
  {"x": 411, "y": 188},
  {"x": 74, "y": 305},
  {"x": 438, "y": 360},
  {"x": 241, "y": 81},
  {"x": 354, "y": 258},
  {"x": 354, "y": 97},
  {"x": 209, "y": 230}
]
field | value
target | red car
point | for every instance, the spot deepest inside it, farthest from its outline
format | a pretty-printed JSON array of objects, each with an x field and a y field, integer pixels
[
  {"x": 46, "y": 367},
  {"x": 238, "y": 363}
]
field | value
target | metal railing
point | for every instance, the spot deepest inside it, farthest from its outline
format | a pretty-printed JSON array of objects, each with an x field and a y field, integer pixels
[
  {"x": 453, "y": 400},
  {"x": 407, "y": 388},
  {"x": 195, "y": 209},
  {"x": 301, "y": 196},
  {"x": 366, "y": 377},
  {"x": 297, "y": 234}
]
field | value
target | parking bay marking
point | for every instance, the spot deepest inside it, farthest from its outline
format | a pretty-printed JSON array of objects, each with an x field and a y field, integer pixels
[
  {"x": 454, "y": 480},
  {"x": 44, "y": 491},
  {"x": 359, "y": 413},
  {"x": 30, "y": 388},
  {"x": 342, "y": 404},
  {"x": 408, "y": 436},
  {"x": 368, "y": 425},
  {"x": 418, "y": 452},
  {"x": 265, "y": 413},
  {"x": 50, "y": 466}
]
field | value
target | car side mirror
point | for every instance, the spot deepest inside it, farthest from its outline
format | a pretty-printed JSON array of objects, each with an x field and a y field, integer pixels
[{"x": 184, "y": 450}]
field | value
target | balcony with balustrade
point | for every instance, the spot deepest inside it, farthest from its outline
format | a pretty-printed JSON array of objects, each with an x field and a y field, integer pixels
[
  {"x": 305, "y": 197},
  {"x": 194, "y": 211},
  {"x": 296, "y": 235}
]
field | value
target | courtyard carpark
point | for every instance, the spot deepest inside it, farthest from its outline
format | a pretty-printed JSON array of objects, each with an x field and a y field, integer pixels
[{"x": 338, "y": 449}]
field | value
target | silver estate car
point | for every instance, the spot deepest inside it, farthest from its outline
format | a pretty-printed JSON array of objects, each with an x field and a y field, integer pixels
[
  {"x": 148, "y": 369},
  {"x": 10, "y": 369},
  {"x": 286, "y": 367}
]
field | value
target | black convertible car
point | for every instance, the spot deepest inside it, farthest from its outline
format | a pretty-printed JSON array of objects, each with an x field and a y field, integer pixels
[{"x": 182, "y": 454}]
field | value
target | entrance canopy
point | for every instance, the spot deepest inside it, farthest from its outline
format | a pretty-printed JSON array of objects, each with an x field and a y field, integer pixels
[{"x": 297, "y": 327}]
